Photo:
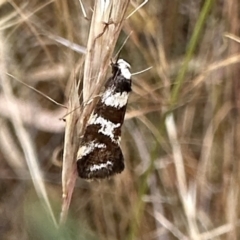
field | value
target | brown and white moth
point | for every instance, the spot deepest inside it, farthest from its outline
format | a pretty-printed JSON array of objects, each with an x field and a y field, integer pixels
[{"x": 100, "y": 155}]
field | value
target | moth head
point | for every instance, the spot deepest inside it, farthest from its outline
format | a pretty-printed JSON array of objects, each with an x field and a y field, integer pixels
[
  {"x": 123, "y": 64},
  {"x": 121, "y": 67}
]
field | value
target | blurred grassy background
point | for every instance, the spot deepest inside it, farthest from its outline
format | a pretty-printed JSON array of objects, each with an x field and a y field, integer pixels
[{"x": 180, "y": 137}]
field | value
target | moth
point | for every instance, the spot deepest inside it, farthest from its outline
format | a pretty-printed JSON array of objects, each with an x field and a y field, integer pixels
[{"x": 100, "y": 155}]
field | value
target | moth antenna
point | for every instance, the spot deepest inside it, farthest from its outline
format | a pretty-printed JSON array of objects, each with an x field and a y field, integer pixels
[
  {"x": 39, "y": 92},
  {"x": 140, "y": 6},
  {"x": 118, "y": 52},
  {"x": 83, "y": 10},
  {"x": 144, "y": 70}
]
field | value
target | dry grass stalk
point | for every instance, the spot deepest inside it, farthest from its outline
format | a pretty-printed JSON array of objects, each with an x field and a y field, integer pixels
[
  {"x": 40, "y": 117},
  {"x": 15, "y": 158},
  {"x": 106, "y": 25},
  {"x": 22, "y": 134},
  {"x": 105, "y": 28},
  {"x": 71, "y": 144}
]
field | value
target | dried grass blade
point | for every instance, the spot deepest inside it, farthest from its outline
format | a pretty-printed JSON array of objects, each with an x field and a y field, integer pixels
[{"x": 23, "y": 135}]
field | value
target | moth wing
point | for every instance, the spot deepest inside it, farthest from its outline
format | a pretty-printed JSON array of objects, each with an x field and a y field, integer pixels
[{"x": 101, "y": 163}]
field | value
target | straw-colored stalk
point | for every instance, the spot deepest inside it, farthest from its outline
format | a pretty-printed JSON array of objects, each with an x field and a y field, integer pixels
[{"x": 106, "y": 24}]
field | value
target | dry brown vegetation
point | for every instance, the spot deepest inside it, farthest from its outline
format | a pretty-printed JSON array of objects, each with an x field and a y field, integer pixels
[{"x": 181, "y": 135}]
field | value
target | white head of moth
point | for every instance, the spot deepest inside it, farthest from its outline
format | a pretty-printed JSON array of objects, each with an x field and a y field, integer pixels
[
  {"x": 118, "y": 100},
  {"x": 124, "y": 68}
]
